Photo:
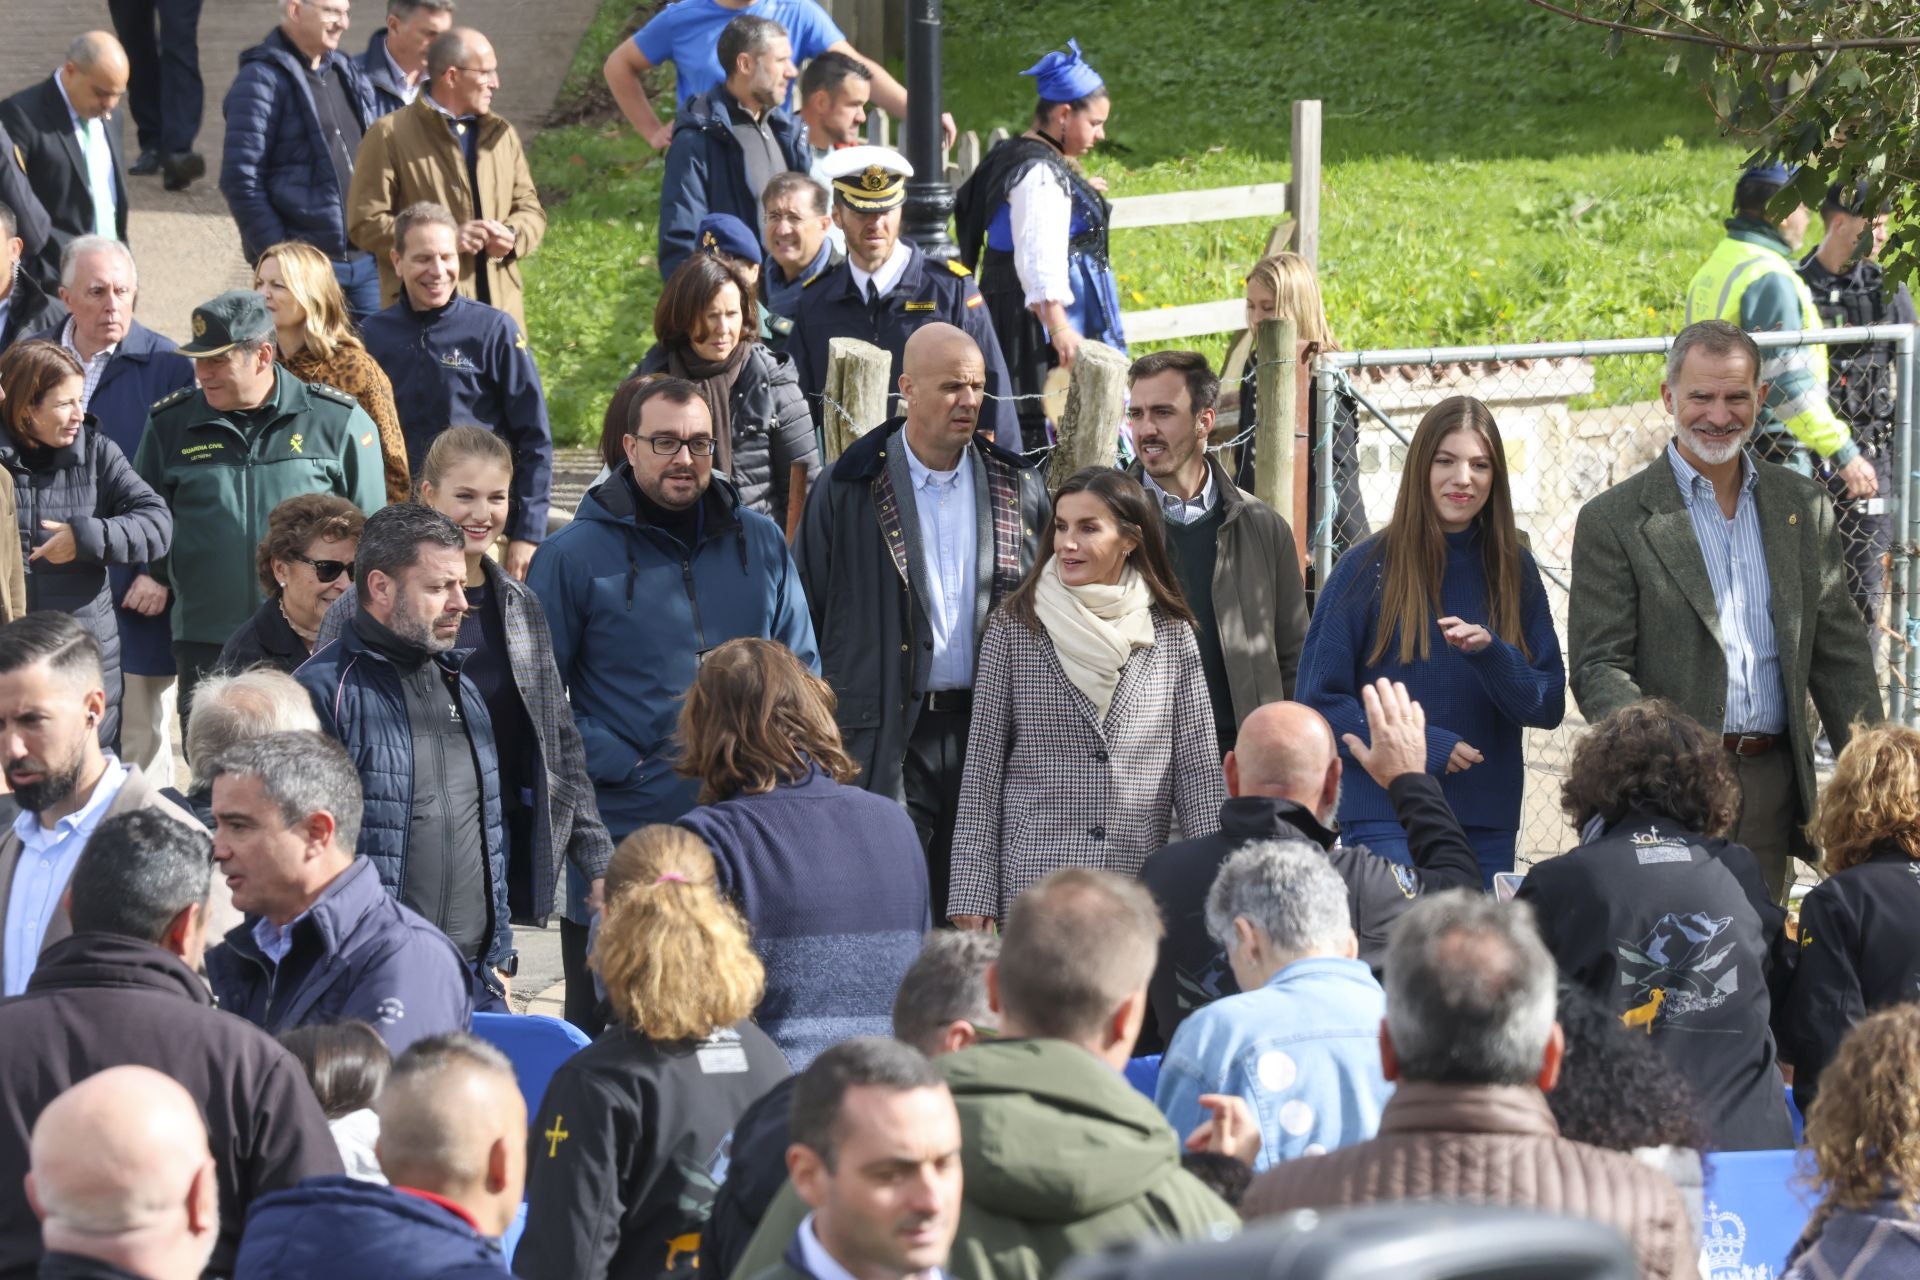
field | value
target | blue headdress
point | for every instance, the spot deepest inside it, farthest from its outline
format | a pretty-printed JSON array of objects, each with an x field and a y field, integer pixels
[{"x": 1065, "y": 77}]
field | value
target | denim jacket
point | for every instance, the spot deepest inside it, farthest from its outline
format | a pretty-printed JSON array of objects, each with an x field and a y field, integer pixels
[{"x": 1303, "y": 1050}]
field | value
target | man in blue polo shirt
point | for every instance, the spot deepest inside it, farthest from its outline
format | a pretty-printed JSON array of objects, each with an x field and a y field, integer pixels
[{"x": 687, "y": 34}]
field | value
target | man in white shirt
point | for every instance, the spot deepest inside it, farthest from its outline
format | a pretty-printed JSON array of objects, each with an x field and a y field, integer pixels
[
  {"x": 67, "y": 143},
  {"x": 52, "y": 697},
  {"x": 876, "y": 1156}
]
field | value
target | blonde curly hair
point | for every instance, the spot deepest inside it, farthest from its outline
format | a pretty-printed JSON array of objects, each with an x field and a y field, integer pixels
[
  {"x": 673, "y": 952},
  {"x": 1863, "y": 1130},
  {"x": 1873, "y": 800}
]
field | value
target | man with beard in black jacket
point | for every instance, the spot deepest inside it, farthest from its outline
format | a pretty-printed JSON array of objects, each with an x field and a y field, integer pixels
[
  {"x": 1283, "y": 780},
  {"x": 122, "y": 990}
]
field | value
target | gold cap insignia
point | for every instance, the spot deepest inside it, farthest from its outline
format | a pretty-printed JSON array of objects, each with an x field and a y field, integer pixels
[
  {"x": 875, "y": 178},
  {"x": 199, "y": 326}
]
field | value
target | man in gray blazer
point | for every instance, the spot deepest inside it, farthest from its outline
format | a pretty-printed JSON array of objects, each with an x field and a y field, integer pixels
[{"x": 1717, "y": 581}]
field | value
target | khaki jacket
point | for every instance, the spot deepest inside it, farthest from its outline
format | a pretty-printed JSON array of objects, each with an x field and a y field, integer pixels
[
  {"x": 13, "y": 566},
  {"x": 135, "y": 793},
  {"x": 410, "y": 156},
  {"x": 1490, "y": 1144}
]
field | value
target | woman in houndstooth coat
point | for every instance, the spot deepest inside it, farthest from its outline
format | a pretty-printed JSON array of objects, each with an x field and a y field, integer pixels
[{"x": 1091, "y": 725}]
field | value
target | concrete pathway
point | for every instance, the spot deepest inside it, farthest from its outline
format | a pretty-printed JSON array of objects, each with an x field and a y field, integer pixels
[{"x": 185, "y": 242}]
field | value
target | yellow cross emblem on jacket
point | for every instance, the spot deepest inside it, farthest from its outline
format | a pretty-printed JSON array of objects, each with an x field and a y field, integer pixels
[{"x": 555, "y": 1136}]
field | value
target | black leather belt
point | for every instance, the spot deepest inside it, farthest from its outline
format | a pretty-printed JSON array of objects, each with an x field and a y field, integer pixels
[
  {"x": 948, "y": 700},
  {"x": 1750, "y": 744}
]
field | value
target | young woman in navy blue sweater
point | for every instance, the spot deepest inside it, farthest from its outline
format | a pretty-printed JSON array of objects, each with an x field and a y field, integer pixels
[{"x": 1446, "y": 600}]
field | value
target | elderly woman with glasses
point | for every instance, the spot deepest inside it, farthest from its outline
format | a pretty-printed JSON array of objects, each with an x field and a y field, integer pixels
[{"x": 305, "y": 563}]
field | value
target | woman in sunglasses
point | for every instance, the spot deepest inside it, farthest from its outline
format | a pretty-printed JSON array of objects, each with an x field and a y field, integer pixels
[{"x": 305, "y": 564}]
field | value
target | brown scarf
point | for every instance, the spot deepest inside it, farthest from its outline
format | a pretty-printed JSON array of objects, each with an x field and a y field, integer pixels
[{"x": 716, "y": 381}]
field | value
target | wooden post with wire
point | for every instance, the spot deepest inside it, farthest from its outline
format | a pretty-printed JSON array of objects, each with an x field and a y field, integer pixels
[
  {"x": 1274, "y": 345},
  {"x": 1096, "y": 405},
  {"x": 857, "y": 393}
]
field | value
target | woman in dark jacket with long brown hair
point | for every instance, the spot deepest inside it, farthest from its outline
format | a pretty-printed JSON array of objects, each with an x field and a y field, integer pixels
[
  {"x": 1091, "y": 724},
  {"x": 706, "y": 325},
  {"x": 79, "y": 505}
]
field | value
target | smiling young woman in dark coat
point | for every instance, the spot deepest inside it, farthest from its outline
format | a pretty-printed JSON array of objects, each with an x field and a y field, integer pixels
[
  {"x": 79, "y": 505},
  {"x": 705, "y": 324}
]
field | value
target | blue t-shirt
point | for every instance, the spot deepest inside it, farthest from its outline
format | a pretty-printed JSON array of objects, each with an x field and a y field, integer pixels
[{"x": 687, "y": 34}]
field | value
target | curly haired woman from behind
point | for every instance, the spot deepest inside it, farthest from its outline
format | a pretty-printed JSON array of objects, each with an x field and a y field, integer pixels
[
  {"x": 1859, "y": 945},
  {"x": 1864, "y": 1136},
  {"x": 631, "y": 1140}
]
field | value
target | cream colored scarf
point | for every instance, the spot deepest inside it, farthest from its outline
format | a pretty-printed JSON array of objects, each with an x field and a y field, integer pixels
[{"x": 1095, "y": 628}]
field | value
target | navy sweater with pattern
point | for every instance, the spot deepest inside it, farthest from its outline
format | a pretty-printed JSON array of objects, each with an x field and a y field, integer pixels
[
  {"x": 834, "y": 887},
  {"x": 1483, "y": 698}
]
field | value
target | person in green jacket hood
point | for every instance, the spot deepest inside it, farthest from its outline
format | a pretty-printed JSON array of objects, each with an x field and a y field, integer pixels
[{"x": 1060, "y": 1156}]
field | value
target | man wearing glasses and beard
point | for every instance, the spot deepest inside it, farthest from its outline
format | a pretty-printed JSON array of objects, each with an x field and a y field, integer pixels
[{"x": 661, "y": 565}]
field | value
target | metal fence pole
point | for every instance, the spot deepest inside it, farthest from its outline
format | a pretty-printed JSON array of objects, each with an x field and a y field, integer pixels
[
  {"x": 1321, "y": 534},
  {"x": 1905, "y": 577}
]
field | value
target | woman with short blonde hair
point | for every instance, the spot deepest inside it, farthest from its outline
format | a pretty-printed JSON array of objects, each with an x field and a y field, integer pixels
[
  {"x": 1859, "y": 945},
  {"x": 632, "y": 1125},
  {"x": 315, "y": 342},
  {"x": 830, "y": 876}
]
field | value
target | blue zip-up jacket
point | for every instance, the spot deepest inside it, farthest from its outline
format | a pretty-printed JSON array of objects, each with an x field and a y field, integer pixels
[
  {"x": 335, "y": 1228},
  {"x": 275, "y": 170},
  {"x": 466, "y": 363},
  {"x": 357, "y": 954},
  {"x": 389, "y": 94},
  {"x": 707, "y": 172},
  {"x": 357, "y": 693},
  {"x": 631, "y": 609},
  {"x": 1304, "y": 1051}
]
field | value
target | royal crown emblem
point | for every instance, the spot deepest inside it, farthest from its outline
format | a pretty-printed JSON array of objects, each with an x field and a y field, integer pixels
[{"x": 1723, "y": 1248}]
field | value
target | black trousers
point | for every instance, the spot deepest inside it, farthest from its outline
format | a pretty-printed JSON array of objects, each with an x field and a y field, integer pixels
[
  {"x": 193, "y": 660},
  {"x": 931, "y": 773},
  {"x": 583, "y": 1006},
  {"x": 164, "y": 89}
]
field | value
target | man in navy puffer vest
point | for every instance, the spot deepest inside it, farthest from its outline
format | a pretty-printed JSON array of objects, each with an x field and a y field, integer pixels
[{"x": 391, "y": 690}]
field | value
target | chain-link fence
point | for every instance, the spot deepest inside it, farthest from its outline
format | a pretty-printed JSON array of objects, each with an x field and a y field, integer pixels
[{"x": 1577, "y": 418}]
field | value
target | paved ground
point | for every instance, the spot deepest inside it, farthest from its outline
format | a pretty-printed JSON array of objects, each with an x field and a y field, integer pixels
[{"x": 185, "y": 242}]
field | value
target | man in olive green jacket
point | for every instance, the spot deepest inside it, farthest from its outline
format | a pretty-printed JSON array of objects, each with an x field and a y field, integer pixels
[
  {"x": 225, "y": 453},
  {"x": 1738, "y": 641},
  {"x": 1060, "y": 1155}
]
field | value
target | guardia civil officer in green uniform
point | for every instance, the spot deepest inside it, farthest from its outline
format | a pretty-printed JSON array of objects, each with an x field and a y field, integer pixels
[
  {"x": 1751, "y": 280},
  {"x": 224, "y": 454},
  {"x": 887, "y": 288}
]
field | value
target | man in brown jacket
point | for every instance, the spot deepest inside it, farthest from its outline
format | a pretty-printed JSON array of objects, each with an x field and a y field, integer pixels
[
  {"x": 447, "y": 148},
  {"x": 1471, "y": 1040}
]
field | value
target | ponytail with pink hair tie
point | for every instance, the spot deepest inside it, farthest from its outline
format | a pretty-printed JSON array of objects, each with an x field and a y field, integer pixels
[{"x": 672, "y": 877}]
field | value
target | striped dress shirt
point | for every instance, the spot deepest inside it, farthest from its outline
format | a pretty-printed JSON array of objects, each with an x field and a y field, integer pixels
[{"x": 1742, "y": 594}]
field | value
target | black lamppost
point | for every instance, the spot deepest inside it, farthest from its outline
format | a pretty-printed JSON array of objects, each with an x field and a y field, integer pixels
[{"x": 929, "y": 198}]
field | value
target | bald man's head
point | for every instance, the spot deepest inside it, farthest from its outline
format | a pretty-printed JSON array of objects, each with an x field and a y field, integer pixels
[
  {"x": 1286, "y": 750},
  {"x": 94, "y": 74},
  {"x": 121, "y": 1172},
  {"x": 452, "y": 1122},
  {"x": 943, "y": 377}
]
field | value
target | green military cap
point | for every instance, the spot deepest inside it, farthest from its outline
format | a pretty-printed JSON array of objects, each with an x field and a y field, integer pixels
[{"x": 226, "y": 322}]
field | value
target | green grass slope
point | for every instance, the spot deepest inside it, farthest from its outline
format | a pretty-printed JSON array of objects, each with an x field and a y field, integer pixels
[{"x": 1489, "y": 175}]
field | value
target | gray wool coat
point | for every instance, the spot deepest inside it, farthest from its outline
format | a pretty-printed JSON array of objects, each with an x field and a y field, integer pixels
[
  {"x": 1642, "y": 621},
  {"x": 1050, "y": 785}
]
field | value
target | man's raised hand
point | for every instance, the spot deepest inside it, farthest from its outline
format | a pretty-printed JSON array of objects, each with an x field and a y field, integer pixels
[{"x": 1398, "y": 728}]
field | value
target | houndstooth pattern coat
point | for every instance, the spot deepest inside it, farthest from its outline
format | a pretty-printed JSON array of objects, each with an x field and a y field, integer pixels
[{"x": 1049, "y": 785}]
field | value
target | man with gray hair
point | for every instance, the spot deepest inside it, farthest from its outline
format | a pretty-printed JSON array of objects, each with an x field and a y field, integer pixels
[
  {"x": 395, "y": 62},
  {"x": 1301, "y": 1043},
  {"x": 1470, "y": 1038},
  {"x": 68, "y": 145},
  {"x": 322, "y": 941},
  {"x": 453, "y": 1144},
  {"x": 122, "y": 991},
  {"x": 391, "y": 689},
  {"x": 122, "y": 1181},
  {"x": 231, "y": 708}
]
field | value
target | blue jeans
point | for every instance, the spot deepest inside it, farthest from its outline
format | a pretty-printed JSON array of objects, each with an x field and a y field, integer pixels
[
  {"x": 359, "y": 279},
  {"x": 1493, "y": 846}
]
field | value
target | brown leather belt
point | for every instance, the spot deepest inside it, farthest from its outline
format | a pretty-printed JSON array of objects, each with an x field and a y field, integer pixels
[{"x": 1750, "y": 744}]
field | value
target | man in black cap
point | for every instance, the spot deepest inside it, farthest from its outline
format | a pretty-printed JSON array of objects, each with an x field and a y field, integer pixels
[
  {"x": 887, "y": 288},
  {"x": 1849, "y": 288},
  {"x": 225, "y": 453}
]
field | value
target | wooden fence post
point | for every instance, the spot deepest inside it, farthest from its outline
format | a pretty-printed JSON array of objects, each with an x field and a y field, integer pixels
[
  {"x": 966, "y": 158},
  {"x": 879, "y": 128},
  {"x": 1278, "y": 408},
  {"x": 856, "y": 395},
  {"x": 1096, "y": 406},
  {"x": 1303, "y": 195}
]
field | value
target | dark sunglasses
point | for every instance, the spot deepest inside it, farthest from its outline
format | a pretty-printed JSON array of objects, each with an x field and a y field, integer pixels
[{"x": 328, "y": 570}]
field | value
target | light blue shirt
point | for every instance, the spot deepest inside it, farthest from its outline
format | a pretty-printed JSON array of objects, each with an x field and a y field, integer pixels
[
  {"x": 1182, "y": 510},
  {"x": 949, "y": 539},
  {"x": 821, "y": 1265},
  {"x": 92, "y": 136},
  {"x": 1304, "y": 1051},
  {"x": 275, "y": 940},
  {"x": 1742, "y": 595},
  {"x": 40, "y": 876}
]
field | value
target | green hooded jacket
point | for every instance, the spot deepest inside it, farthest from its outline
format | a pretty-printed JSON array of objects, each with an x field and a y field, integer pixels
[{"x": 1061, "y": 1157}]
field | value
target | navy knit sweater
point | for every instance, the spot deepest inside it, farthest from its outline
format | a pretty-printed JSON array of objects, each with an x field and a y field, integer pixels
[
  {"x": 834, "y": 887},
  {"x": 1483, "y": 698}
]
